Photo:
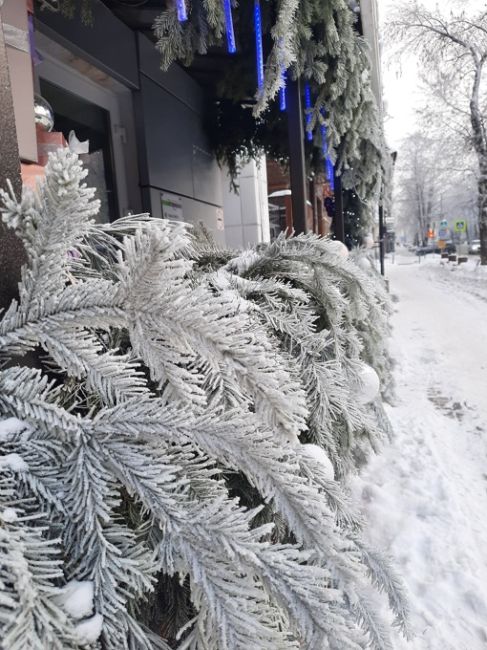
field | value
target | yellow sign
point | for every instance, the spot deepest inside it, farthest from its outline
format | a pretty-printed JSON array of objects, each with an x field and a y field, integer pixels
[{"x": 460, "y": 226}]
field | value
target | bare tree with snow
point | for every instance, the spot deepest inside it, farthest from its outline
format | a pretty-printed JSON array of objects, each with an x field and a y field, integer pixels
[
  {"x": 418, "y": 183},
  {"x": 453, "y": 44}
]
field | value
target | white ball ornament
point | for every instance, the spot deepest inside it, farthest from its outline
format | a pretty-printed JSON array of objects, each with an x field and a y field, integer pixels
[
  {"x": 338, "y": 248},
  {"x": 367, "y": 384},
  {"x": 319, "y": 455}
]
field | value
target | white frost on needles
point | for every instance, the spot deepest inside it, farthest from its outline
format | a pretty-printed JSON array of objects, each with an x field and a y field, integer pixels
[
  {"x": 76, "y": 598},
  {"x": 89, "y": 630},
  {"x": 13, "y": 462},
  {"x": 319, "y": 455}
]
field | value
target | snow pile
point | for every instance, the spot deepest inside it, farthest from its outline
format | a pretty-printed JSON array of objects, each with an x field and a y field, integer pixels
[
  {"x": 468, "y": 278},
  {"x": 13, "y": 462},
  {"x": 9, "y": 515},
  {"x": 425, "y": 496},
  {"x": 11, "y": 427},
  {"x": 76, "y": 598},
  {"x": 89, "y": 630}
]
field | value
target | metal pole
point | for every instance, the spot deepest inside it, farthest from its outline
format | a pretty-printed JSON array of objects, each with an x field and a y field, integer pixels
[
  {"x": 338, "y": 220},
  {"x": 297, "y": 165},
  {"x": 381, "y": 239},
  {"x": 12, "y": 254}
]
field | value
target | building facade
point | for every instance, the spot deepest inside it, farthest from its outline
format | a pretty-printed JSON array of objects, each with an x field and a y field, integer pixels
[
  {"x": 146, "y": 145},
  {"x": 141, "y": 131}
]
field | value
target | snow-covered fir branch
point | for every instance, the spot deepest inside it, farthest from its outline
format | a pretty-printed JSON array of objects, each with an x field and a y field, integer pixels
[{"x": 186, "y": 424}]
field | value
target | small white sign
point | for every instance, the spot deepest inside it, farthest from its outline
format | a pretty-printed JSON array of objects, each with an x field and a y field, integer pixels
[
  {"x": 172, "y": 206},
  {"x": 220, "y": 224}
]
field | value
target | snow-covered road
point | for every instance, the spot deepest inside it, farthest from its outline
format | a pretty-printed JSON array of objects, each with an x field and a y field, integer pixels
[{"x": 426, "y": 495}]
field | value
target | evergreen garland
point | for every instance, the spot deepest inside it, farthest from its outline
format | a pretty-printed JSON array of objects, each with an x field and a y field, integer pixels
[
  {"x": 69, "y": 8},
  {"x": 170, "y": 377},
  {"x": 315, "y": 40}
]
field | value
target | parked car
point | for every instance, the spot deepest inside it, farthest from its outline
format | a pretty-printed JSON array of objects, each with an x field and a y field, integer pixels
[
  {"x": 425, "y": 250},
  {"x": 474, "y": 247}
]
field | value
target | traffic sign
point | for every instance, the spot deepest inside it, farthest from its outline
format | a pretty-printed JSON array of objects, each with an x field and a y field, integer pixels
[
  {"x": 444, "y": 223},
  {"x": 443, "y": 233},
  {"x": 441, "y": 244},
  {"x": 460, "y": 226}
]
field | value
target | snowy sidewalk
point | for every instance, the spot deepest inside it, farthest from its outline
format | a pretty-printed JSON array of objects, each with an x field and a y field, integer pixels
[{"x": 426, "y": 495}]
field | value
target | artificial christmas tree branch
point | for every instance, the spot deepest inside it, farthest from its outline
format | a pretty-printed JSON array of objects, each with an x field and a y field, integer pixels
[{"x": 172, "y": 406}]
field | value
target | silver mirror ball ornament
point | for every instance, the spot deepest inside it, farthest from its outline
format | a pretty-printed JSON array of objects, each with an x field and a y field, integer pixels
[{"x": 43, "y": 113}]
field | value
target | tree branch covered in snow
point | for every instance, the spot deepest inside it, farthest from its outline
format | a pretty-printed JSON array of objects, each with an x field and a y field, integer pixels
[
  {"x": 159, "y": 384},
  {"x": 455, "y": 42}
]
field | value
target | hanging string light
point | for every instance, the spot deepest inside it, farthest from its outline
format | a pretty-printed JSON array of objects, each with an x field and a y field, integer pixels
[
  {"x": 330, "y": 173},
  {"x": 307, "y": 104},
  {"x": 231, "y": 46},
  {"x": 259, "y": 50},
  {"x": 181, "y": 9},
  {"x": 282, "y": 91}
]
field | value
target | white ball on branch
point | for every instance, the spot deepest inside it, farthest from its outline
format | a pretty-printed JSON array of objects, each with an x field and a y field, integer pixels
[
  {"x": 338, "y": 248},
  {"x": 366, "y": 386},
  {"x": 319, "y": 455}
]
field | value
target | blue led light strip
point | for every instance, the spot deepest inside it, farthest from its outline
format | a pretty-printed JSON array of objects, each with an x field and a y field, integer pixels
[
  {"x": 307, "y": 105},
  {"x": 259, "y": 50},
  {"x": 227, "y": 7},
  {"x": 330, "y": 173},
  {"x": 282, "y": 92},
  {"x": 181, "y": 8}
]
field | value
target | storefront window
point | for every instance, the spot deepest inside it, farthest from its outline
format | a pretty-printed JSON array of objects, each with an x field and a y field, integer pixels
[{"x": 89, "y": 122}]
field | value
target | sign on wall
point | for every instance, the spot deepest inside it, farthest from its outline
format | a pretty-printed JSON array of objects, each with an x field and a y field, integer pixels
[
  {"x": 172, "y": 206},
  {"x": 220, "y": 224}
]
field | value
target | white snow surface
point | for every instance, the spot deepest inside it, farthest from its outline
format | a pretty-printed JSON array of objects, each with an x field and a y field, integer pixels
[
  {"x": 89, "y": 630},
  {"x": 76, "y": 598},
  {"x": 8, "y": 515},
  {"x": 14, "y": 462},
  {"x": 425, "y": 496},
  {"x": 11, "y": 427}
]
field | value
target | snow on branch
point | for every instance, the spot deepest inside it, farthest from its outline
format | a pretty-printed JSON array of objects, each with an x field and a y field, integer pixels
[{"x": 161, "y": 436}]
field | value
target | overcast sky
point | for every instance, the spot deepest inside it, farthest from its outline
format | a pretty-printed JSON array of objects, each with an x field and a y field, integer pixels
[
  {"x": 401, "y": 87},
  {"x": 400, "y": 78}
]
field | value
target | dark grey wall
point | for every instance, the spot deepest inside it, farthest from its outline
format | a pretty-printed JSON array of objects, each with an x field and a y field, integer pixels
[
  {"x": 172, "y": 148},
  {"x": 107, "y": 43},
  {"x": 174, "y": 151}
]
